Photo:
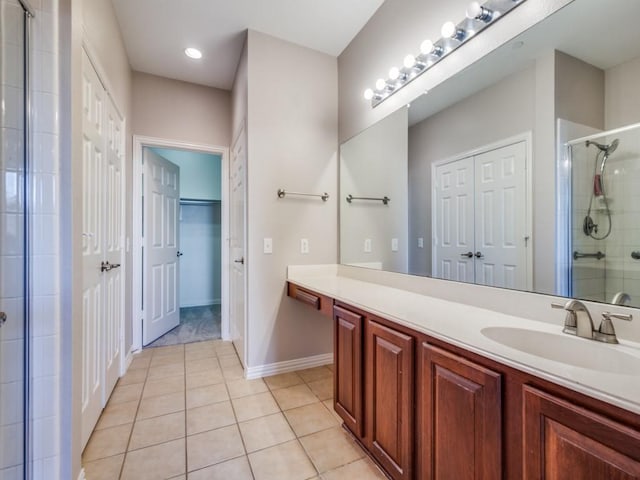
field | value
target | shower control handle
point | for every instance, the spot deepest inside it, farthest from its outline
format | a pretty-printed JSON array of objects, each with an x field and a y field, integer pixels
[{"x": 468, "y": 254}]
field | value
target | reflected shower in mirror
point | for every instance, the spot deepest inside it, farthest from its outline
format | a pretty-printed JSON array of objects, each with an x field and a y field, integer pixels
[
  {"x": 605, "y": 211},
  {"x": 479, "y": 171}
]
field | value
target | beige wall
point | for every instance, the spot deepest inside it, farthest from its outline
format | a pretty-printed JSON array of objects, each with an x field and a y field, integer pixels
[
  {"x": 292, "y": 144},
  {"x": 374, "y": 164},
  {"x": 622, "y": 95},
  {"x": 176, "y": 110}
]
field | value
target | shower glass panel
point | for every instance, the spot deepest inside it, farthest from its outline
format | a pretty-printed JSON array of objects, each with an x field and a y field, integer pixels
[
  {"x": 605, "y": 216},
  {"x": 13, "y": 292}
]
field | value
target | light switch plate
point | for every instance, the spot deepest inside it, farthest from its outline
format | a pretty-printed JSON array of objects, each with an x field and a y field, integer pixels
[
  {"x": 367, "y": 245},
  {"x": 420, "y": 242},
  {"x": 268, "y": 246},
  {"x": 394, "y": 244},
  {"x": 304, "y": 246}
]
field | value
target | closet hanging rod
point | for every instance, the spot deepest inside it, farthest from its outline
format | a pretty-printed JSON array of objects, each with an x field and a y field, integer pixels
[
  {"x": 282, "y": 193},
  {"x": 384, "y": 199}
]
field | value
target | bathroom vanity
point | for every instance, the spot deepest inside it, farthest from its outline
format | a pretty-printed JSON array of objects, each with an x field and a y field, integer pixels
[{"x": 438, "y": 389}]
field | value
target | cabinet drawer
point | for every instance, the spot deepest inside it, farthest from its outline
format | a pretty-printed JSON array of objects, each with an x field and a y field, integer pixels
[{"x": 314, "y": 300}]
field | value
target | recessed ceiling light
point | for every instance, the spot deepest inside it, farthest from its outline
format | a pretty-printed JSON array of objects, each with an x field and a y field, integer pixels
[{"x": 193, "y": 53}]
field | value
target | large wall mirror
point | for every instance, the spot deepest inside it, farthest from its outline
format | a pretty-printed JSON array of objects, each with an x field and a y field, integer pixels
[{"x": 522, "y": 171}]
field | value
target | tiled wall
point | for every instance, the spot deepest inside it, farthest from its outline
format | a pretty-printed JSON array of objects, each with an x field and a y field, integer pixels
[
  {"x": 617, "y": 272},
  {"x": 45, "y": 242},
  {"x": 44, "y": 250},
  {"x": 12, "y": 241}
]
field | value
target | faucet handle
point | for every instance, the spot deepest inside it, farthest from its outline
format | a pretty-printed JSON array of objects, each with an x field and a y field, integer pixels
[
  {"x": 606, "y": 332},
  {"x": 570, "y": 321},
  {"x": 620, "y": 316}
]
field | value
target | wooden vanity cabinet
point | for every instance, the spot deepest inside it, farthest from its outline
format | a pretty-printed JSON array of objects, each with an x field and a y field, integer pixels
[
  {"x": 389, "y": 381},
  {"x": 562, "y": 440},
  {"x": 348, "y": 377},
  {"x": 426, "y": 409},
  {"x": 460, "y": 412}
]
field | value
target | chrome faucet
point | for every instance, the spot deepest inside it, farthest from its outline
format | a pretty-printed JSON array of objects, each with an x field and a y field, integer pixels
[
  {"x": 584, "y": 323},
  {"x": 579, "y": 322},
  {"x": 621, "y": 298}
]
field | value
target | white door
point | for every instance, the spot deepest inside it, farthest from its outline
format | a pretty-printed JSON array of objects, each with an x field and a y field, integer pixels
[
  {"x": 501, "y": 217},
  {"x": 161, "y": 311},
  {"x": 93, "y": 166},
  {"x": 113, "y": 235},
  {"x": 453, "y": 235},
  {"x": 237, "y": 174}
]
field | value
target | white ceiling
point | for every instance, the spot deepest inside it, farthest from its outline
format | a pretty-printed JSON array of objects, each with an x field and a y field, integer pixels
[{"x": 156, "y": 32}]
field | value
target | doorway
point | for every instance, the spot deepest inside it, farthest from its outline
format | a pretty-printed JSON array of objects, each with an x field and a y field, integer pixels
[
  {"x": 180, "y": 247},
  {"x": 199, "y": 247}
]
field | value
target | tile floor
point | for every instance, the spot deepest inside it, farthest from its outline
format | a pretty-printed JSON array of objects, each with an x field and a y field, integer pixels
[{"x": 185, "y": 411}]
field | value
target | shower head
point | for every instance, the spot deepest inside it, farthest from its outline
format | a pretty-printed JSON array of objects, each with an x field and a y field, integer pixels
[{"x": 607, "y": 149}]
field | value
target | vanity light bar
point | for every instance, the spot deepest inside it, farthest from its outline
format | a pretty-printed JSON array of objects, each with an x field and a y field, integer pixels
[{"x": 478, "y": 17}]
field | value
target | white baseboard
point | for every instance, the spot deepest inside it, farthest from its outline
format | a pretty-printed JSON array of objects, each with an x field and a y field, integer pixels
[
  {"x": 81, "y": 475},
  {"x": 289, "y": 366},
  {"x": 202, "y": 303}
]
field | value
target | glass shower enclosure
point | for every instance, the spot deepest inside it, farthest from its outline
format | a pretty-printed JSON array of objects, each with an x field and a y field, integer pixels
[
  {"x": 14, "y": 292},
  {"x": 605, "y": 213}
]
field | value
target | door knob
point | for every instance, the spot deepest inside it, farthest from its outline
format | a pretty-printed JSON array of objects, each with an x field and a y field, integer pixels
[
  {"x": 241, "y": 261},
  {"x": 468, "y": 254},
  {"x": 479, "y": 255},
  {"x": 3, "y": 318},
  {"x": 105, "y": 266}
]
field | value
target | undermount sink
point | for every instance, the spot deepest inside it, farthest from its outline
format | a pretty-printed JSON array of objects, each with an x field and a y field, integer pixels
[{"x": 566, "y": 349}]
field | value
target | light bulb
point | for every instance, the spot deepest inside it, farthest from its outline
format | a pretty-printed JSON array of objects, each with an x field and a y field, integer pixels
[
  {"x": 426, "y": 47},
  {"x": 193, "y": 53},
  {"x": 409, "y": 61},
  {"x": 394, "y": 73},
  {"x": 448, "y": 30},
  {"x": 368, "y": 94},
  {"x": 473, "y": 10},
  {"x": 380, "y": 84}
]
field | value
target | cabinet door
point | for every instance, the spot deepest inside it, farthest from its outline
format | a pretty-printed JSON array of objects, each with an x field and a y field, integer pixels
[
  {"x": 348, "y": 372},
  {"x": 460, "y": 427},
  {"x": 389, "y": 399},
  {"x": 562, "y": 441}
]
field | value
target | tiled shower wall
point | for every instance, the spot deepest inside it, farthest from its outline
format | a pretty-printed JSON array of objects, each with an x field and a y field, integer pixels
[
  {"x": 44, "y": 255},
  {"x": 45, "y": 247},
  {"x": 618, "y": 271},
  {"x": 11, "y": 245}
]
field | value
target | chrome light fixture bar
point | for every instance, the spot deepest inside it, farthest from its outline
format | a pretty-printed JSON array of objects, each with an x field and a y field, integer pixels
[{"x": 478, "y": 17}]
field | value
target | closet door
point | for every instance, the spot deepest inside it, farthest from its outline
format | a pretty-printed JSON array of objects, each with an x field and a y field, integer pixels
[
  {"x": 112, "y": 215},
  {"x": 93, "y": 241},
  {"x": 500, "y": 225},
  {"x": 453, "y": 211}
]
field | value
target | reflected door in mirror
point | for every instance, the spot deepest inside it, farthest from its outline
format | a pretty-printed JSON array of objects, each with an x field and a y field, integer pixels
[{"x": 480, "y": 228}]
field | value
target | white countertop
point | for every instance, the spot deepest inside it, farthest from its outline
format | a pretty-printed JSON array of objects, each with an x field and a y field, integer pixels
[{"x": 461, "y": 325}]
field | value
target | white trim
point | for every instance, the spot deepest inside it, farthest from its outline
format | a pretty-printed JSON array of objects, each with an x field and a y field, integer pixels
[
  {"x": 527, "y": 138},
  {"x": 139, "y": 142},
  {"x": 127, "y": 362},
  {"x": 81, "y": 475},
  {"x": 288, "y": 366}
]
